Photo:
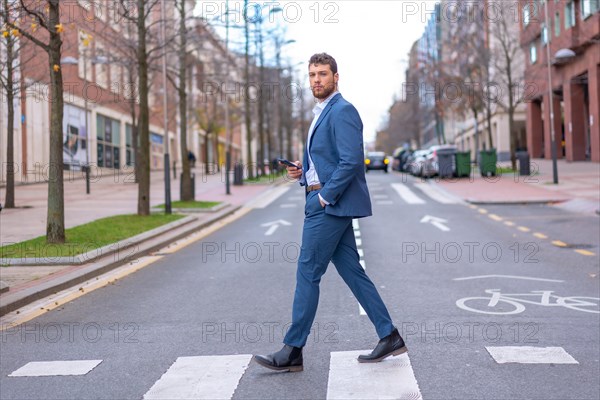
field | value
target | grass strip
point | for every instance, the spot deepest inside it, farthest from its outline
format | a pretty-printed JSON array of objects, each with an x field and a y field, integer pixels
[
  {"x": 190, "y": 204},
  {"x": 87, "y": 237}
]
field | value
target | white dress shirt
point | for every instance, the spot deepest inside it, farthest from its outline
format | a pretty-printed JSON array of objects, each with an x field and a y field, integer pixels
[{"x": 311, "y": 174}]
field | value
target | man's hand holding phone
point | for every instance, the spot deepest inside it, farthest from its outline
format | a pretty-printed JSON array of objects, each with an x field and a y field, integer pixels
[{"x": 294, "y": 169}]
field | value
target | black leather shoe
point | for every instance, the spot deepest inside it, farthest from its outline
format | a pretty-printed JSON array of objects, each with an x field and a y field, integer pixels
[
  {"x": 391, "y": 345},
  {"x": 288, "y": 359}
]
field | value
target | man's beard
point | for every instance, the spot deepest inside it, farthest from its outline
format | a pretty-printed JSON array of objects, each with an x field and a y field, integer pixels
[{"x": 324, "y": 93}]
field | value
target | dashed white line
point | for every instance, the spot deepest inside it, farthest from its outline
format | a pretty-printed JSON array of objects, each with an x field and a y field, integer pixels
[{"x": 57, "y": 368}]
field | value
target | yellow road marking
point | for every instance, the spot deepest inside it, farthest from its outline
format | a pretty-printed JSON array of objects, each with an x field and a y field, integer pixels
[
  {"x": 482, "y": 210},
  {"x": 540, "y": 235},
  {"x": 509, "y": 223},
  {"x": 50, "y": 303},
  {"x": 523, "y": 229},
  {"x": 473, "y": 206},
  {"x": 585, "y": 252},
  {"x": 559, "y": 243},
  {"x": 495, "y": 217}
]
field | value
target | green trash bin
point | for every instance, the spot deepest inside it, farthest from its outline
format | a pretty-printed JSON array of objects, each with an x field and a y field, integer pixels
[
  {"x": 487, "y": 162},
  {"x": 463, "y": 163}
]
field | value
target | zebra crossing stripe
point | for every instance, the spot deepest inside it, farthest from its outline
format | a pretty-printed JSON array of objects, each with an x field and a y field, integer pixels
[
  {"x": 406, "y": 194},
  {"x": 201, "y": 377},
  {"x": 435, "y": 194},
  {"x": 530, "y": 355},
  {"x": 392, "y": 378},
  {"x": 56, "y": 368}
]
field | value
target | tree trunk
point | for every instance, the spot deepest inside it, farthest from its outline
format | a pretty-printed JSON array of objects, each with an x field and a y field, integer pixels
[
  {"x": 144, "y": 118},
  {"x": 55, "y": 225},
  {"x": 186, "y": 178},
  {"x": 10, "y": 125},
  {"x": 247, "y": 94}
]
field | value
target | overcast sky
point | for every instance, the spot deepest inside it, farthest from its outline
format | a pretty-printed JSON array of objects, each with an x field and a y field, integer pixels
[{"x": 370, "y": 41}]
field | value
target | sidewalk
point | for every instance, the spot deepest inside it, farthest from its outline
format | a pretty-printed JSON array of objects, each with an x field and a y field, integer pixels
[
  {"x": 578, "y": 188},
  {"x": 109, "y": 195}
]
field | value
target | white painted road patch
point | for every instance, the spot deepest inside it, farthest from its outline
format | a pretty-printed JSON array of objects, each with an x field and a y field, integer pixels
[
  {"x": 393, "y": 378},
  {"x": 56, "y": 368},
  {"x": 530, "y": 355},
  {"x": 407, "y": 194},
  {"x": 202, "y": 377}
]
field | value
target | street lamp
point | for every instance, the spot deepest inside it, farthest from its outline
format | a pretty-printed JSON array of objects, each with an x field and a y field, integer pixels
[
  {"x": 165, "y": 104},
  {"x": 562, "y": 55},
  {"x": 74, "y": 61}
]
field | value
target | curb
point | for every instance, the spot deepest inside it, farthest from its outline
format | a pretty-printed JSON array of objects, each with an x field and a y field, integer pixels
[
  {"x": 99, "y": 252},
  {"x": 513, "y": 202},
  {"x": 13, "y": 301}
]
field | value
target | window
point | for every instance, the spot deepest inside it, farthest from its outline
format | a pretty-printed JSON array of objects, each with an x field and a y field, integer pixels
[
  {"x": 532, "y": 53},
  {"x": 569, "y": 15},
  {"x": 129, "y": 153},
  {"x": 101, "y": 67},
  {"x": 108, "y": 133},
  {"x": 526, "y": 14},
  {"x": 156, "y": 150},
  {"x": 588, "y": 7},
  {"x": 544, "y": 34},
  {"x": 557, "y": 24}
]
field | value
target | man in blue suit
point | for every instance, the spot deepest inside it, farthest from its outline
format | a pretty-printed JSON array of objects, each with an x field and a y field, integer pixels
[{"x": 333, "y": 177}]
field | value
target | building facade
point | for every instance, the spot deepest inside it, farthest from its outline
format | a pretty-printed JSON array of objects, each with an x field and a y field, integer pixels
[{"x": 572, "y": 31}]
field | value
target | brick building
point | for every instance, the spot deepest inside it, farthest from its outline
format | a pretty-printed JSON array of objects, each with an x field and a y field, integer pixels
[{"x": 571, "y": 25}]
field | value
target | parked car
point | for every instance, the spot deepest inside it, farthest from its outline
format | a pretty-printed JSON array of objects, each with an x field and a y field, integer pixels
[
  {"x": 432, "y": 163},
  {"x": 376, "y": 160},
  {"x": 415, "y": 162},
  {"x": 400, "y": 158}
]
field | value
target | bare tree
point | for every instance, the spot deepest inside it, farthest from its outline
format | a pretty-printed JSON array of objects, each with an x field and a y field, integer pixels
[
  {"x": 508, "y": 67},
  {"x": 139, "y": 14},
  {"x": 50, "y": 42}
]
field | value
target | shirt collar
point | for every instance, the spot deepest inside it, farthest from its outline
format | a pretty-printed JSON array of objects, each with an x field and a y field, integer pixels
[{"x": 321, "y": 106}]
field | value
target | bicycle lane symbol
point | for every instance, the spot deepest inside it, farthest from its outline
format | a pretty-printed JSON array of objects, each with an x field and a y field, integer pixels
[{"x": 498, "y": 303}]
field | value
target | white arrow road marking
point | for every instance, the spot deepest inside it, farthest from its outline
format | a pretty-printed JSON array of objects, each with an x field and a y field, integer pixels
[
  {"x": 392, "y": 378},
  {"x": 435, "y": 221},
  {"x": 274, "y": 225},
  {"x": 435, "y": 193},
  {"x": 527, "y": 278}
]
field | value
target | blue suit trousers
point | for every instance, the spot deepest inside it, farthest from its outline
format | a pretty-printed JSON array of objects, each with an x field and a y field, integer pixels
[{"x": 328, "y": 238}]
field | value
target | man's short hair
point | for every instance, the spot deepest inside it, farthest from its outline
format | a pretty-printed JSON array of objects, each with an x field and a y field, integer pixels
[{"x": 324, "y": 59}]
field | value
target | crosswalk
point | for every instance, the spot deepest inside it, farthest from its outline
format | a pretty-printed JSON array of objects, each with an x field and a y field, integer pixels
[
  {"x": 218, "y": 376},
  {"x": 425, "y": 191}
]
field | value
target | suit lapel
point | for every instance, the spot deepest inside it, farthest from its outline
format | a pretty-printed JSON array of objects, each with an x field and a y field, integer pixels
[{"x": 323, "y": 114}]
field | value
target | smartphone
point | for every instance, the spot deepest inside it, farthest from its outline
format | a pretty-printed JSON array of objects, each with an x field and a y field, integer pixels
[{"x": 287, "y": 162}]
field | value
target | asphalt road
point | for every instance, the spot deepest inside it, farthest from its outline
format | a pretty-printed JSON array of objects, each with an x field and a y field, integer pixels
[{"x": 431, "y": 257}]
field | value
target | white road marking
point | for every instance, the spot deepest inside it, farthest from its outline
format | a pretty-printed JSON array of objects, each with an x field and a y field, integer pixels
[
  {"x": 295, "y": 198},
  {"x": 361, "y": 311},
  {"x": 384, "y": 202},
  {"x": 435, "y": 221},
  {"x": 359, "y": 242},
  {"x": 527, "y": 278},
  {"x": 56, "y": 368},
  {"x": 362, "y": 264},
  {"x": 530, "y": 355},
  {"x": 361, "y": 253},
  {"x": 393, "y": 378},
  {"x": 203, "y": 377},
  {"x": 406, "y": 194},
  {"x": 273, "y": 225},
  {"x": 356, "y": 234},
  {"x": 380, "y": 196},
  {"x": 268, "y": 197},
  {"x": 435, "y": 194},
  {"x": 355, "y": 225},
  {"x": 289, "y": 205}
]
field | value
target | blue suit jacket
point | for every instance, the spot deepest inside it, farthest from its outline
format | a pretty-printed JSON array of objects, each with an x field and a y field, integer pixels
[{"x": 337, "y": 151}]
